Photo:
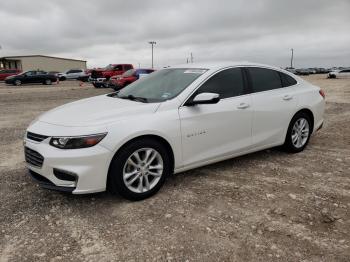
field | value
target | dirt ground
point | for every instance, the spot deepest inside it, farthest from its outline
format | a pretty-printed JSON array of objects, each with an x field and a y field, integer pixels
[{"x": 266, "y": 206}]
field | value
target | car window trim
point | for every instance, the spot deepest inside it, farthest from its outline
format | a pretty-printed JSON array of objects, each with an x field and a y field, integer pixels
[{"x": 245, "y": 85}]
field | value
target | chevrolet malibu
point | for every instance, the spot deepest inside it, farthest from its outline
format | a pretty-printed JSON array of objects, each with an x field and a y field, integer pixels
[{"x": 174, "y": 120}]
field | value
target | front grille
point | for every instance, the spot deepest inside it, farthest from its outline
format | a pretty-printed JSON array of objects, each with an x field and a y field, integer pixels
[
  {"x": 36, "y": 137},
  {"x": 33, "y": 158}
]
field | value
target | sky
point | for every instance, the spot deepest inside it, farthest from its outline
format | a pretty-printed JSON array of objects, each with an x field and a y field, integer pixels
[{"x": 112, "y": 31}]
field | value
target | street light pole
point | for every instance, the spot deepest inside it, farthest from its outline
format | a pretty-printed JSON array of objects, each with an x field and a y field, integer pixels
[
  {"x": 152, "y": 43},
  {"x": 291, "y": 60}
]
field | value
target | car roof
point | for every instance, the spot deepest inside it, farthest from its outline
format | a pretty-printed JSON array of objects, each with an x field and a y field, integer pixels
[{"x": 221, "y": 64}]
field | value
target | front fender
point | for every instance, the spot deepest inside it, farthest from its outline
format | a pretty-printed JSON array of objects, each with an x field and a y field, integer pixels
[{"x": 165, "y": 126}]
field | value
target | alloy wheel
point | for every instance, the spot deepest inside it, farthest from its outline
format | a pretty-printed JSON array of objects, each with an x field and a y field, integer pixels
[
  {"x": 300, "y": 132},
  {"x": 143, "y": 170}
]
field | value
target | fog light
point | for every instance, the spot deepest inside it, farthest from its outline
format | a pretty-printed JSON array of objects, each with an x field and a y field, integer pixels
[{"x": 64, "y": 175}]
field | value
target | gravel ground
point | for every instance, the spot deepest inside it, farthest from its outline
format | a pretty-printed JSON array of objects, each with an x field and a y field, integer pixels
[{"x": 266, "y": 206}]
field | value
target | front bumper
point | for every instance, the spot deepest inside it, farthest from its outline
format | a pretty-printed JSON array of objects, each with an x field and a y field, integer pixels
[
  {"x": 101, "y": 80},
  {"x": 88, "y": 165}
]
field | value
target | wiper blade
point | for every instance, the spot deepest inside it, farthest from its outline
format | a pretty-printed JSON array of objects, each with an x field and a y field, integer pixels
[{"x": 134, "y": 98}]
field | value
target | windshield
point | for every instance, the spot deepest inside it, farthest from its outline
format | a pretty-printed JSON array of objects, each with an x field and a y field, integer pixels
[
  {"x": 162, "y": 85},
  {"x": 109, "y": 67}
]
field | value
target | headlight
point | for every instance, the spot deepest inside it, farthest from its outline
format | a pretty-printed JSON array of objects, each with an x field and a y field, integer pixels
[{"x": 76, "y": 142}]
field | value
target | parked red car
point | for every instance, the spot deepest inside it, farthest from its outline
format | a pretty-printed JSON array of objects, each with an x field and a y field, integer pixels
[
  {"x": 8, "y": 72},
  {"x": 100, "y": 77},
  {"x": 118, "y": 82}
]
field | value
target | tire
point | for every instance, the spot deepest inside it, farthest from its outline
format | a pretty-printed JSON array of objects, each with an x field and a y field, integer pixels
[
  {"x": 63, "y": 78},
  {"x": 296, "y": 138},
  {"x": 120, "y": 167},
  {"x": 17, "y": 83},
  {"x": 96, "y": 85},
  {"x": 47, "y": 82}
]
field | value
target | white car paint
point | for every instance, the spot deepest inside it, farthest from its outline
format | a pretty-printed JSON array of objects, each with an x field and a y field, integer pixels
[
  {"x": 198, "y": 135},
  {"x": 345, "y": 73},
  {"x": 73, "y": 74}
]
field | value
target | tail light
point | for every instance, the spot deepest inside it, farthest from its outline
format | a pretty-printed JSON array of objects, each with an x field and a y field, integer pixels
[{"x": 322, "y": 93}]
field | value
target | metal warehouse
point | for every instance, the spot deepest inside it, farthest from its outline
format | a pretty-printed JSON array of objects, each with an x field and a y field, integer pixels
[{"x": 42, "y": 62}]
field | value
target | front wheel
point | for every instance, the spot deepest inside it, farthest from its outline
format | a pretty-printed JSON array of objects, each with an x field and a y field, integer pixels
[
  {"x": 17, "y": 82},
  {"x": 96, "y": 85},
  {"x": 299, "y": 132},
  {"x": 47, "y": 82},
  {"x": 139, "y": 170}
]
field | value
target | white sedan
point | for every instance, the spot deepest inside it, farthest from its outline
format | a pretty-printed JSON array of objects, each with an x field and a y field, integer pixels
[
  {"x": 176, "y": 119},
  {"x": 345, "y": 73}
]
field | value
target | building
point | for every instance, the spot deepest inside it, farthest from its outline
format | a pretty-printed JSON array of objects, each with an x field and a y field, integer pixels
[{"x": 42, "y": 62}]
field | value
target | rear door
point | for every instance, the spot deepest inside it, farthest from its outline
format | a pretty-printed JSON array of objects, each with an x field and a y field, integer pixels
[
  {"x": 212, "y": 131},
  {"x": 274, "y": 104}
]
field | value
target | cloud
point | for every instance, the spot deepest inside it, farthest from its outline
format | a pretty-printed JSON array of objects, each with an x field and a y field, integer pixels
[{"x": 110, "y": 31}]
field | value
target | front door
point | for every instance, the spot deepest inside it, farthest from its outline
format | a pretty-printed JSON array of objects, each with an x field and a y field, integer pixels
[{"x": 211, "y": 131}]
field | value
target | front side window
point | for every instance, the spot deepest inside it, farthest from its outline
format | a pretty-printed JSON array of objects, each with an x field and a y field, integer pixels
[
  {"x": 264, "y": 79},
  {"x": 162, "y": 85},
  {"x": 31, "y": 73},
  {"x": 127, "y": 67},
  {"x": 227, "y": 83}
]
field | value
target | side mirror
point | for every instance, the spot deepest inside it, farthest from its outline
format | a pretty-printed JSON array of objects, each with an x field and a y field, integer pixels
[{"x": 204, "y": 98}]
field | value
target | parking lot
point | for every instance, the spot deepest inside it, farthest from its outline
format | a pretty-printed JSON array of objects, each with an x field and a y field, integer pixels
[{"x": 264, "y": 206}]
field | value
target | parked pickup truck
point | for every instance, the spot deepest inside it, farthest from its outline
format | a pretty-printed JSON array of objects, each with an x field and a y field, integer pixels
[
  {"x": 8, "y": 72},
  {"x": 100, "y": 77}
]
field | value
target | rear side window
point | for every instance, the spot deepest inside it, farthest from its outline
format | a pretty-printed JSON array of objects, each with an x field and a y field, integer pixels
[
  {"x": 264, "y": 79},
  {"x": 227, "y": 83},
  {"x": 287, "y": 80}
]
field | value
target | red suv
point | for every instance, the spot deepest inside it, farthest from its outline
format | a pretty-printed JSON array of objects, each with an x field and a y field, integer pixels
[
  {"x": 118, "y": 82},
  {"x": 100, "y": 77},
  {"x": 8, "y": 72}
]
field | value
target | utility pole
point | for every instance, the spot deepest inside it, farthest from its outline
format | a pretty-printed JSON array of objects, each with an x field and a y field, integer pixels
[
  {"x": 152, "y": 43},
  {"x": 191, "y": 58},
  {"x": 291, "y": 59},
  {"x": 1, "y": 65}
]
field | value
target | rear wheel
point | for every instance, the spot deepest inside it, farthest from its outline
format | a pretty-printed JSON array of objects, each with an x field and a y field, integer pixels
[
  {"x": 299, "y": 132},
  {"x": 47, "y": 82},
  {"x": 139, "y": 170},
  {"x": 96, "y": 85}
]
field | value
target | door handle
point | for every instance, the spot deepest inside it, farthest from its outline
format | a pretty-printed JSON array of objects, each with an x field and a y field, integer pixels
[
  {"x": 242, "y": 106},
  {"x": 287, "y": 97}
]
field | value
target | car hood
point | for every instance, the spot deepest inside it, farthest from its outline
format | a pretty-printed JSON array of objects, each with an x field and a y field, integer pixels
[{"x": 99, "y": 110}]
